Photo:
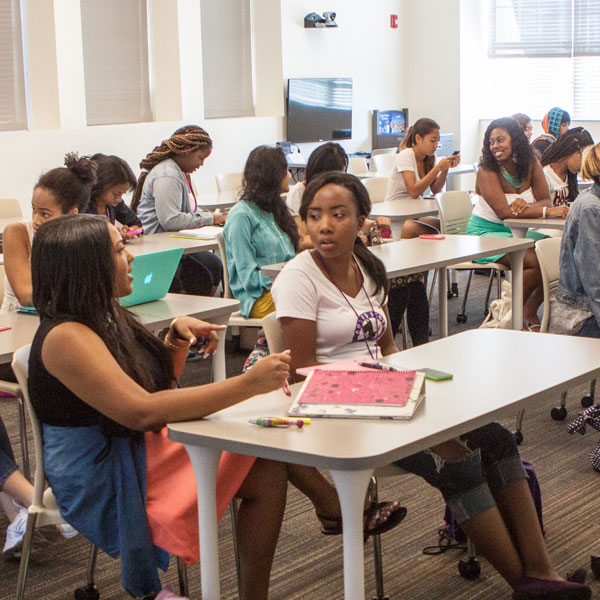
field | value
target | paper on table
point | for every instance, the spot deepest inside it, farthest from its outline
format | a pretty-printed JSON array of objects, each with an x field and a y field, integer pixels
[{"x": 208, "y": 232}]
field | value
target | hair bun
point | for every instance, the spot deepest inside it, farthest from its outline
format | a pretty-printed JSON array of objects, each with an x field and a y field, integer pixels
[{"x": 84, "y": 168}]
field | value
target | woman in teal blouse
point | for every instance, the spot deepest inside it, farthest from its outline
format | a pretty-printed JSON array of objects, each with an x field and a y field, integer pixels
[{"x": 259, "y": 230}]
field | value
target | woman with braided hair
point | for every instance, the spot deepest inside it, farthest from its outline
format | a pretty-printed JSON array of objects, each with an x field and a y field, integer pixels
[
  {"x": 165, "y": 201},
  {"x": 562, "y": 161}
]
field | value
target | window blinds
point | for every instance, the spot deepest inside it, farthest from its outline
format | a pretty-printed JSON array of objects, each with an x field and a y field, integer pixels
[
  {"x": 227, "y": 58},
  {"x": 115, "y": 60},
  {"x": 13, "y": 110}
]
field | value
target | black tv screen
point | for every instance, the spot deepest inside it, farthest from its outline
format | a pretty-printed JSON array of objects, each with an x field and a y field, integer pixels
[{"x": 319, "y": 109}]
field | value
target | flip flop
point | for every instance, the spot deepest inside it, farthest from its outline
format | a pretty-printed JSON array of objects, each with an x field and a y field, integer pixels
[{"x": 374, "y": 510}]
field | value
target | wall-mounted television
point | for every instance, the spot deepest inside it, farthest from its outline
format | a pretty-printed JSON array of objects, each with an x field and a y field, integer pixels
[{"x": 319, "y": 109}]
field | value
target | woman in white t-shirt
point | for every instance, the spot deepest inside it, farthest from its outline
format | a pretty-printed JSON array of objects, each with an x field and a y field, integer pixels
[
  {"x": 561, "y": 163},
  {"x": 331, "y": 304},
  {"x": 415, "y": 173}
]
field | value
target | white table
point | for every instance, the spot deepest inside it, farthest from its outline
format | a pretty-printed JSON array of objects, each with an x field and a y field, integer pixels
[
  {"x": 157, "y": 242},
  {"x": 398, "y": 211},
  {"x": 519, "y": 227},
  {"x": 416, "y": 255},
  {"x": 352, "y": 448},
  {"x": 153, "y": 315}
]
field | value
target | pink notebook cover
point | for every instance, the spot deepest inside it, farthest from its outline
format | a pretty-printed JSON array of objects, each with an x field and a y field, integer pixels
[{"x": 372, "y": 387}]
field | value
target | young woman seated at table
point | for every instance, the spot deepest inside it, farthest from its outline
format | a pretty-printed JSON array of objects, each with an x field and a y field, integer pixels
[
  {"x": 416, "y": 173},
  {"x": 331, "y": 304},
  {"x": 556, "y": 122},
  {"x": 114, "y": 178},
  {"x": 259, "y": 230},
  {"x": 164, "y": 200},
  {"x": 525, "y": 122},
  {"x": 511, "y": 184},
  {"x": 561, "y": 163},
  {"x": 577, "y": 307},
  {"x": 101, "y": 386},
  {"x": 58, "y": 192}
]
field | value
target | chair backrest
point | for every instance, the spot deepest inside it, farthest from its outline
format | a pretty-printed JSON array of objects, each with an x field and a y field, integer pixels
[
  {"x": 226, "y": 289},
  {"x": 272, "y": 330},
  {"x": 10, "y": 207},
  {"x": 20, "y": 366},
  {"x": 377, "y": 188},
  {"x": 357, "y": 165},
  {"x": 548, "y": 254},
  {"x": 229, "y": 182},
  {"x": 455, "y": 210},
  {"x": 384, "y": 163}
]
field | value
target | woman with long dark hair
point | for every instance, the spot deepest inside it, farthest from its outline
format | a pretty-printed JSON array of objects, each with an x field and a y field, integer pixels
[
  {"x": 114, "y": 179},
  {"x": 561, "y": 163},
  {"x": 331, "y": 304},
  {"x": 416, "y": 173},
  {"x": 511, "y": 184},
  {"x": 101, "y": 386},
  {"x": 164, "y": 200},
  {"x": 259, "y": 230}
]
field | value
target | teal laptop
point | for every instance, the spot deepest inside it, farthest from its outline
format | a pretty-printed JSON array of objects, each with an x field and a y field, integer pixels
[{"x": 152, "y": 276}]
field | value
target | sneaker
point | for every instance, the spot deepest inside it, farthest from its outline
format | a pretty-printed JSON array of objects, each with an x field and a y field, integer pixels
[
  {"x": 168, "y": 594},
  {"x": 15, "y": 534},
  {"x": 67, "y": 531}
]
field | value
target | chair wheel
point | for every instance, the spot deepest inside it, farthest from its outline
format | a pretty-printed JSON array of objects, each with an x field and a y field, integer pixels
[
  {"x": 469, "y": 568},
  {"x": 449, "y": 295},
  {"x": 587, "y": 401},
  {"x": 518, "y": 435},
  {"x": 87, "y": 592},
  {"x": 454, "y": 289},
  {"x": 595, "y": 564},
  {"x": 381, "y": 598},
  {"x": 559, "y": 413},
  {"x": 461, "y": 318}
]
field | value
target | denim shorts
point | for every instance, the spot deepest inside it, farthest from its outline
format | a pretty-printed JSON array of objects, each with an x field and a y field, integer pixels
[
  {"x": 7, "y": 459},
  {"x": 468, "y": 484}
]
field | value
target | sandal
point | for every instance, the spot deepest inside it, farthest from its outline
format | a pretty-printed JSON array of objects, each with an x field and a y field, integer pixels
[{"x": 374, "y": 510}]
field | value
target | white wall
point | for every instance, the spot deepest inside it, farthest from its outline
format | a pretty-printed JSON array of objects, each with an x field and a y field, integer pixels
[{"x": 364, "y": 47}]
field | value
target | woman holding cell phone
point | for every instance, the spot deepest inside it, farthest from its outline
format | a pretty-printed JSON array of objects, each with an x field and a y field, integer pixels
[{"x": 416, "y": 174}]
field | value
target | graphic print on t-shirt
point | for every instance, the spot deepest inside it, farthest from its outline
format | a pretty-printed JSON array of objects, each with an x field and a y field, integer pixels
[{"x": 369, "y": 327}]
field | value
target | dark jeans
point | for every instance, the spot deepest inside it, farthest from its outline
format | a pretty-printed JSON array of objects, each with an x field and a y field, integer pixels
[
  {"x": 411, "y": 297},
  {"x": 7, "y": 459},
  {"x": 467, "y": 484},
  {"x": 197, "y": 274},
  {"x": 590, "y": 329}
]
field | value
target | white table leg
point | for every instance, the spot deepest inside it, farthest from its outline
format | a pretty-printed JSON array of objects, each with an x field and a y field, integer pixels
[
  {"x": 443, "y": 300},
  {"x": 397, "y": 223},
  {"x": 218, "y": 366},
  {"x": 516, "y": 267},
  {"x": 351, "y": 488},
  {"x": 206, "y": 462},
  {"x": 519, "y": 232}
]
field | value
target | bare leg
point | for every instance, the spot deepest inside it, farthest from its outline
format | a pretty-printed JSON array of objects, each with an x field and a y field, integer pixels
[
  {"x": 532, "y": 278},
  {"x": 263, "y": 495},
  {"x": 518, "y": 511},
  {"x": 17, "y": 487},
  {"x": 413, "y": 228}
]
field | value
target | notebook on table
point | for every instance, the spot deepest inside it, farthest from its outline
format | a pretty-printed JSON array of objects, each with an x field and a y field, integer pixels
[
  {"x": 208, "y": 232},
  {"x": 362, "y": 393},
  {"x": 153, "y": 274}
]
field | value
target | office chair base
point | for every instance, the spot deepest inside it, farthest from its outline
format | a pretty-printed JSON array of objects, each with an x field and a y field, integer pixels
[
  {"x": 87, "y": 592},
  {"x": 469, "y": 568}
]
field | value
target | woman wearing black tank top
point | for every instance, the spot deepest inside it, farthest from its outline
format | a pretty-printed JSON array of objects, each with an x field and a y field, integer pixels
[{"x": 101, "y": 384}]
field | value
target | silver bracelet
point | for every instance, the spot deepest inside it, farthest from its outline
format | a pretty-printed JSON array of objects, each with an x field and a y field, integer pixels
[{"x": 544, "y": 211}]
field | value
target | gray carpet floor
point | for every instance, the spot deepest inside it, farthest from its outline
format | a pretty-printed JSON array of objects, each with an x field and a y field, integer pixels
[{"x": 308, "y": 565}]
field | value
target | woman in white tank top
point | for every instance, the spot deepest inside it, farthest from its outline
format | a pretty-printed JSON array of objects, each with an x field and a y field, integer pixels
[{"x": 58, "y": 192}]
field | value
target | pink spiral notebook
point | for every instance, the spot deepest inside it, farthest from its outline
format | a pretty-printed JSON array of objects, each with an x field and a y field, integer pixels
[{"x": 360, "y": 394}]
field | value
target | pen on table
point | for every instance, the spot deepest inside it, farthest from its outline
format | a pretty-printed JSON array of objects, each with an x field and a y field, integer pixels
[
  {"x": 279, "y": 422},
  {"x": 377, "y": 365},
  {"x": 6, "y": 328}
]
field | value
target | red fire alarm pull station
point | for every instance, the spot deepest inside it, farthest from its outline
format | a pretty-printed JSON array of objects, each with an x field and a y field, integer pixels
[{"x": 394, "y": 21}]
